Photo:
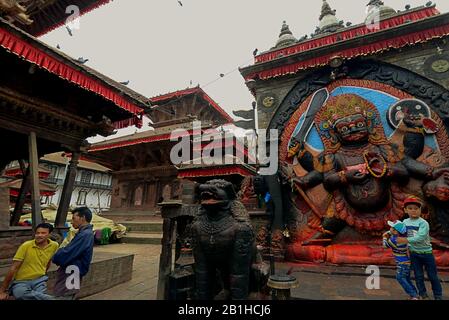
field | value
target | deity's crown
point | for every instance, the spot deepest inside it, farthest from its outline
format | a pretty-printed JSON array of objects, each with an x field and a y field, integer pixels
[{"x": 342, "y": 106}]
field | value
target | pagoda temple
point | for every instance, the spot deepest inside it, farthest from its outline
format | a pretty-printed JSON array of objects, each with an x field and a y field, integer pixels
[{"x": 143, "y": 174}]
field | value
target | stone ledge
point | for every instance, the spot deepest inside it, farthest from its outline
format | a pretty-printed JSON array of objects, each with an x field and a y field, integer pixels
[{"x": 106, "y": 271}]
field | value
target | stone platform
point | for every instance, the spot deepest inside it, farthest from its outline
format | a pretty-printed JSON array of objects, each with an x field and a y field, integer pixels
[{"x": 107, "y": 270}]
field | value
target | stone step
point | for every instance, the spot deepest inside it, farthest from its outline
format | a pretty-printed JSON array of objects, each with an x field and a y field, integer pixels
[
  {"x": 142, "y": 238},
  {"x": 143, "y": 227}
]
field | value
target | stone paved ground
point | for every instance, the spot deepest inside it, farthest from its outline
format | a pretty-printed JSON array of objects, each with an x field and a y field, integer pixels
[
  {"x": 143, "y": 285},
  {"x": 341, "y": 283},
  {"x": 320, "y": 283}
]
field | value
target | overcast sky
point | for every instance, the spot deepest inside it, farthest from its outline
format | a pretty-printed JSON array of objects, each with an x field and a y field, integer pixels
[{"x": 161, "y": 46}]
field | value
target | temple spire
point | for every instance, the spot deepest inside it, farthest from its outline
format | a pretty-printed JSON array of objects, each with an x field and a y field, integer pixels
[
  {"x": 378, "y": 10},
  {"x": 326, "y": 10},
  {"x": 328, "y": 20},
  {"x": 285, "y": 29},
  {"x": 286, "y": 37},
  {"x": 376, "y": 3}
]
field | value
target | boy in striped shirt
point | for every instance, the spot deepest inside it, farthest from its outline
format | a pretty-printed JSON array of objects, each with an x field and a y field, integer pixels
[{"x": 400, "y": 252}]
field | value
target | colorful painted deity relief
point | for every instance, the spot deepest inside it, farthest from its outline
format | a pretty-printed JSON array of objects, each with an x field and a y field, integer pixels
[{"x": 351, "y": 159}]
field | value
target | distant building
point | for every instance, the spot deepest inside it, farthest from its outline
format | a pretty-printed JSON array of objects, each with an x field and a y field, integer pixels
[
  {"x": 92, "y": 188},
  {"x": 93, "y": 182}
]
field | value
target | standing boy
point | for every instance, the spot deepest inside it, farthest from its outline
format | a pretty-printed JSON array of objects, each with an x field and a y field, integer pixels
[{"x": 421, "y": 255}]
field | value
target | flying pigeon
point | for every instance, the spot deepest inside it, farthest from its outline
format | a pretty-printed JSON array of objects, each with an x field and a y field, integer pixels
[
  {"x": 222, "y": 75},
  {"x": 125, "y": 83},
  {"x": 69, "y": 31},
  {"x": 180, "y": 3},
  {"x": 82, "y": 60}
]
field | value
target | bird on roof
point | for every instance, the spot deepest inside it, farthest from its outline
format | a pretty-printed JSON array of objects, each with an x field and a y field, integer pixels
[
  {"x": 58, "y": 47},
  {"x": 69, "y": 31},
  {"x": 125, "y": 83},
  {"x": 82, "y": 60},
  {"x": 428, "y": 4},
  {"x": 222, "y": 75},
  {"x": 180, "y": 3},
  {"x": 407, "y": 7},
  {"x": 255, "y": 52}
]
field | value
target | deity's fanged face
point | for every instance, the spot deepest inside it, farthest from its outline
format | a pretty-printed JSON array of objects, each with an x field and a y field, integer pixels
[{"x": 352, "y": 128}]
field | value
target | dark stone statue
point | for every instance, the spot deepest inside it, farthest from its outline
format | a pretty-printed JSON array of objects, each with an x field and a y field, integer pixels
[
  {"x": 437, "y": 194},
  {"x": 223, "y": 243}
]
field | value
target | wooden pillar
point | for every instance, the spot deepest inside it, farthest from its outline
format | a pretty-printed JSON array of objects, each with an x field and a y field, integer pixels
[
  {"x": 24, "y": 189},
  {"x": 4, "y": 209},
  {"x": 165, "y": 260},
  {"x": 36, "y": 213},
  {"x": 66, "y": 195}
]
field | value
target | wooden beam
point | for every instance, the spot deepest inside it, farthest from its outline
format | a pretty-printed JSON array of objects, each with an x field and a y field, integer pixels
[
  {"x": 24, "y": 189},
  {"x": 165, "y": 260},
  {"x": 67, "y": 190},
  {"x": 34, "y": 173}
]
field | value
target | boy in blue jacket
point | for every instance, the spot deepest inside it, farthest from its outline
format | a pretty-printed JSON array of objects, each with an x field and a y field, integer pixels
[
  {"x": 74, "y": 259},
  {"x": 400, "y": 252}
]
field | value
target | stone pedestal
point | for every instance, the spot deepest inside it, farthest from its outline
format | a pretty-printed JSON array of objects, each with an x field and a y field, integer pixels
[{"x": 4, "y": 209}]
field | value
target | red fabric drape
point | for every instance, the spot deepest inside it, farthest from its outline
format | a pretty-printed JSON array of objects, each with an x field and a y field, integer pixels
[
  {"x": 15, "y": 193},
  {"x": 18, "y": 172},
  {"x": 212, "y": 172},
  {"x": 348, "y": 34},
  {"x": 134, "y": 142},
  {"x": 175, "y": 94},
  {"x": 27, "y": 51},
  {"x": 134, "y": 121},
  {"x": 393, "y": 43}
]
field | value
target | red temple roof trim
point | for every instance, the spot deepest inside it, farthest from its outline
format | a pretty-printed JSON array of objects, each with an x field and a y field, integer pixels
[
  {"x": 350, "y": 33},
  {"x": 122, "y": 144},
  {"x": 214, "y": 172},
  {"x": 15, "y": 185},
  {"x": 33, "y": 51},
  {"x": 16, "y": 172},
  {"x": 393, "y": 43},
  {"x": 189, "y": 91}
]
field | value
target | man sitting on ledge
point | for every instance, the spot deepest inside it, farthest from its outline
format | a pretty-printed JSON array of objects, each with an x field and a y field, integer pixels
[
  {"x": 74, "y": 259},
  {"x": 30, "y": 266}
]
